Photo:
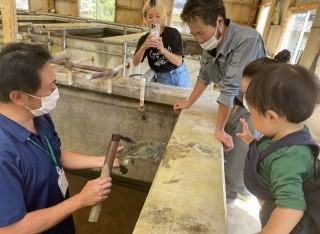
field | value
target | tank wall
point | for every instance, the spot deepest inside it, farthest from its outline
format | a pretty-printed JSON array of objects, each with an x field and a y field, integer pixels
[{"x": 85, "y": 121}]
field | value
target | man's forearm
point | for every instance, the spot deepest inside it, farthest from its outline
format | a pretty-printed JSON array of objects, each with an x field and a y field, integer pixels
[
  {"x": 223, "y": 115},
  {"x": 197, "y": 91},
  {"x": 41, "y": 220},
  {"x": 73, "y": 160}
]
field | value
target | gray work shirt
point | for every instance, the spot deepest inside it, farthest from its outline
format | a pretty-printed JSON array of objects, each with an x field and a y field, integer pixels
[{"x": 241, "y": 46}]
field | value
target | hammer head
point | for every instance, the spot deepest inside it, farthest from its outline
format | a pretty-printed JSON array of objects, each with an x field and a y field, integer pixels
[
  {"x": 118, "y": 137},
  {"x": 128, "y": 140}
]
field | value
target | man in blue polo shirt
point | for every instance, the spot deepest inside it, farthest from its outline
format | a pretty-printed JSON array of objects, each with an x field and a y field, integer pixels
[{"x": 33, "y": 185}]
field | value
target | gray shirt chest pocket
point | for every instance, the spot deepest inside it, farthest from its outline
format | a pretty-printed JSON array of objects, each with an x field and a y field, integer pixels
[{"x": 213, "y": 70}]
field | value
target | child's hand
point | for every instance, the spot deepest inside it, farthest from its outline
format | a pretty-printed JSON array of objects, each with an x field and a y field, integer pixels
[{"x": 246, "y": 135}]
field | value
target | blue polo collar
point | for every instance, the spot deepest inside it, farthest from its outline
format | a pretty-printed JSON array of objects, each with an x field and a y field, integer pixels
[{"x": 16, "y": 130}]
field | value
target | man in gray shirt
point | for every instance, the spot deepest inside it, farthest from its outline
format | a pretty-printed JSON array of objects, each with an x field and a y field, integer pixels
[{"x": 227, "y": 49}]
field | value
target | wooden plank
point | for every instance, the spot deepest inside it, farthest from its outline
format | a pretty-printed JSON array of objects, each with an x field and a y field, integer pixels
[
  {"x": 9, "y": 20},
  {"x": 66, "y": 7},
  {"x": 269, "y": 20},
  {"x": 238, "y": 13},
  {"x": 128, "y": 16},
  {"x": 134, "y": 9},
  {"x": 306, "y": 7},
  {"x": 36, "y": 5},
  {"x": 51, "y": 7},
  {"x": 253, "y": 13},
  {"x": 130, "y": 4}
]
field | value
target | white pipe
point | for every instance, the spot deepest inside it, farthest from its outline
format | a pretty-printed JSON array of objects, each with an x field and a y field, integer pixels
[{"x": 143, "y": 81}]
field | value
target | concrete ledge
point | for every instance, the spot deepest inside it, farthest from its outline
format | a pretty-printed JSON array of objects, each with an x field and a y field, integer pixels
[{"x": 187, "y": 194}]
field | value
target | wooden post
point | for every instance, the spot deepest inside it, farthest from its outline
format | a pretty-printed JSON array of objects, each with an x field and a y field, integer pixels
[
  {"x": 9, "y": 20},
  {"x": 313, "y": 45},
  {"x": 269, "y": 20},
  {"x": 51, "y": 6}
]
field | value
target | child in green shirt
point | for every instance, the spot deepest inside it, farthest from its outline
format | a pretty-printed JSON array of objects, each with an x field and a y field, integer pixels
[{"x": 280, "y": 98}]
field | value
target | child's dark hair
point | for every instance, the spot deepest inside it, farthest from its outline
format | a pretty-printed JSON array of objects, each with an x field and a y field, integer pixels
[
  {"x": 289, "y": 90},
  {"x": 254, "y": 67}
]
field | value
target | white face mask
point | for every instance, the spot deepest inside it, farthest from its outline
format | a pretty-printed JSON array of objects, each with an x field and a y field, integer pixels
[
  {"x": 212, "y": 43},
  {"x": 245, "y": 104},
  {"x": 48, "y": 103}
]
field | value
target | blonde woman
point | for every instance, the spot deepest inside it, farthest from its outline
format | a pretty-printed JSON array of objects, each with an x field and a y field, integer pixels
[{"x": 165, "y": 52}]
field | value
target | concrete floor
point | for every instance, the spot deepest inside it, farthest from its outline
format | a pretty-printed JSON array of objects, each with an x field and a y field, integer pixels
[{"x": 244, "y": 217}]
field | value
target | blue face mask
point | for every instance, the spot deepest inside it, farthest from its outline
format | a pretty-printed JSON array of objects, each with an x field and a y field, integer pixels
[{"x": 48, "y": 103}]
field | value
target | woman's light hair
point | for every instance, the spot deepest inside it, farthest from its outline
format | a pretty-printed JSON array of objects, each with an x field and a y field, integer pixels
[{"x": 160, "y": 8}]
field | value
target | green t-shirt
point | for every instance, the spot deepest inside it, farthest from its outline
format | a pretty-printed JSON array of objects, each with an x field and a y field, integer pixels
[{"x": 284, "y": 172}]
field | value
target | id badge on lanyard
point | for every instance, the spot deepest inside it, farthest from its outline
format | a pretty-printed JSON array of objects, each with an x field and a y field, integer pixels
[{"x": 62, "y": 179}]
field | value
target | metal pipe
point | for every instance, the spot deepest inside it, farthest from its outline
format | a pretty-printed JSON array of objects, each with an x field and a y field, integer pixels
[
  {"x": 65, "y": 54},
  {"x": 61, "y": 26},
  {"x": 24, "y": 24},
  {"x": 84, "y": 59},
  {"x": 90, "y": 68},
  {"x": 109, "y": 73}
]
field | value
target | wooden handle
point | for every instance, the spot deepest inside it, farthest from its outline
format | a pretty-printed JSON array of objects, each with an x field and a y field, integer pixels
[
  {"x": 105, "y": 172},
  {"x": 95, "y": 210}
]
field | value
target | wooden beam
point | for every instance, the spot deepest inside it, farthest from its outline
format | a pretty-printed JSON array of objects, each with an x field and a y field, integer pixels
[
  {"x": 309, "y": 6},
  {"x": 253, "y": 13},
  {"x": 291, "y": 10},
  {"x": 51, "y": 7},
  {"x": 9, "y": 20},
  {"x": 313, "y": 44},
  {"x": 269, "y": 20}
]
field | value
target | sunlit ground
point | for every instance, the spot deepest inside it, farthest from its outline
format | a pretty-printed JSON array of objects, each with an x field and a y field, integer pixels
[
  {"x": 244, "y": 217},
  {"x": 252, "y": 207}
]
